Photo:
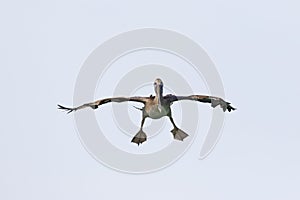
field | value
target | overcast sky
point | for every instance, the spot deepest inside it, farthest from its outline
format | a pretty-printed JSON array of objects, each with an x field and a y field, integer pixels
[{"x": 255, "y": 47}]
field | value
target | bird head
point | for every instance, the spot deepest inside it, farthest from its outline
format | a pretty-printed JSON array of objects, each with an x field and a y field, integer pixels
[{"x": 158, "y": 86}]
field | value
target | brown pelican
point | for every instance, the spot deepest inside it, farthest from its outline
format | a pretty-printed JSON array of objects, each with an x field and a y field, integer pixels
[{"x": 156, "y": 107}]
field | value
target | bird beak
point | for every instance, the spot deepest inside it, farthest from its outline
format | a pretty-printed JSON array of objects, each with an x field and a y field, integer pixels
[{"x": 159, "y": 94}]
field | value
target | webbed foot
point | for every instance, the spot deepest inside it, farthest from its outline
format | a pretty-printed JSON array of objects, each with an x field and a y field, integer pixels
[
  {"x": 139, "y": 138},
  {"x": 179, "y": 134}
]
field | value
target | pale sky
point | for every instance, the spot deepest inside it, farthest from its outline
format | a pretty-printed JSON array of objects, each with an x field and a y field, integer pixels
[{"x": 254, "y": 46}]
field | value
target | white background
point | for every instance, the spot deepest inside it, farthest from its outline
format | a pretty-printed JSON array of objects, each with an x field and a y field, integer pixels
[{"x": 255, "y": 46}]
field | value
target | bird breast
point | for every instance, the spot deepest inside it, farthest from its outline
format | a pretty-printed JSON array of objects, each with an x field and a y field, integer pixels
[{"x": 155, "y": 113}]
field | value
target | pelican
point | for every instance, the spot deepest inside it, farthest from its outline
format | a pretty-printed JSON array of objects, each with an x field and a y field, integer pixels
[{"x": 156, "y": 107}]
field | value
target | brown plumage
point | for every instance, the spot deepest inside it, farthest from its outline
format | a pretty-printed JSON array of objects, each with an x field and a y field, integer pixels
[{"x": 156, "y": 107}]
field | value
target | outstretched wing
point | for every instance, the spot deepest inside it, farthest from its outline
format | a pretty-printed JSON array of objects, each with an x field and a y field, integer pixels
[
  {"x": 96, "y": 104},
  {"x": 214, "y": 101}
]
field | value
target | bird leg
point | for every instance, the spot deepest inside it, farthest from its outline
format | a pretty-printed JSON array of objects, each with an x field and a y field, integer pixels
[
  {"x": 177, "y": 133},
  {"x": 141, "y": 136}
]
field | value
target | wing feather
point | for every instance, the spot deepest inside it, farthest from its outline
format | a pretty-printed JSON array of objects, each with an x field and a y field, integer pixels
[
  {"x": 214, "y": 101},
  {"x": 96, "y": 104}
]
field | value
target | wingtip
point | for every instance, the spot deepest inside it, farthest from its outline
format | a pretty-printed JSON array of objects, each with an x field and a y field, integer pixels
[
  {"x": 68, "y": 110},
  {"x": 231, "y": 109}
]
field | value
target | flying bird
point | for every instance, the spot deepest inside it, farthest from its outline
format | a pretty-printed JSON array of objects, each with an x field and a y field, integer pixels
[{"x": 156, "y": 107}]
